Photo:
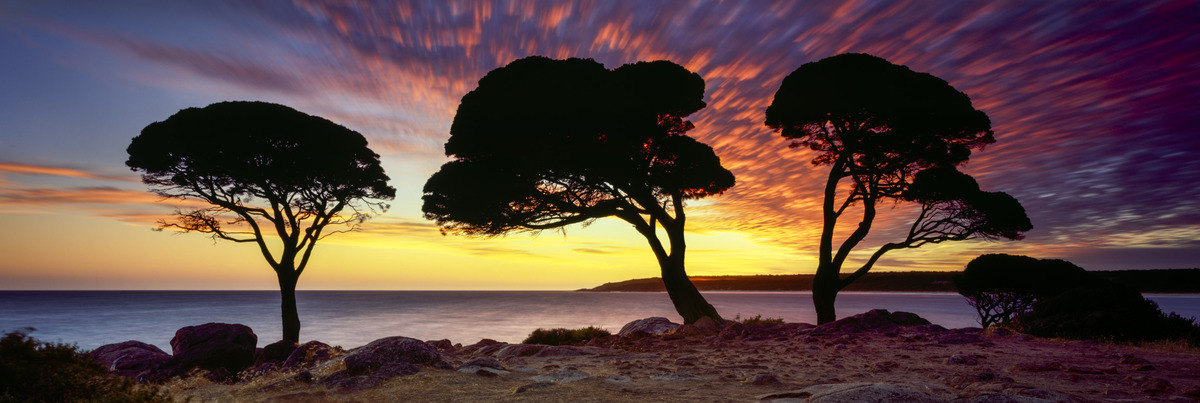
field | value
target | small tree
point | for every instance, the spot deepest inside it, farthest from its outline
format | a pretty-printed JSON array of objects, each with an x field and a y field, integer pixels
[
  {"x": 268, "y": 172},
  {"x": 999, "y": 286},
  {"x": 881, "y": 128},
  {"x": 542, "y": 144}
]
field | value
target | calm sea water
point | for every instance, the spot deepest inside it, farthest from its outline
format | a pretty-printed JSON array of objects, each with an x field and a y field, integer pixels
[{"x": 90, "y": 319}]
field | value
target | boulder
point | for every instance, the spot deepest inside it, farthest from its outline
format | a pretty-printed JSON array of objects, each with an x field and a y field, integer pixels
[
  {"x": 217, "y": 347},
  {"x": 652, "y": 325},
  {"x": 875, "y": 320},
  {"x": 131, "y": 359},
  {"x": 517, "y": 350},
  {"x": 309, "y": 354},
  {"x": 276, "y": 352},
  {"x": 390, "y": 352}
]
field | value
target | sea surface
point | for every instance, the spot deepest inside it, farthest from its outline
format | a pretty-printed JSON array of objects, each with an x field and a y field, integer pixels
[{"x": 349, "y": 319}]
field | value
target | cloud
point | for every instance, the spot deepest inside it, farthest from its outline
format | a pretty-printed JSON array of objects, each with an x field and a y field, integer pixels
[
  {"x": 1093, "y": 107},
  {"x": 27, "y": 169}
]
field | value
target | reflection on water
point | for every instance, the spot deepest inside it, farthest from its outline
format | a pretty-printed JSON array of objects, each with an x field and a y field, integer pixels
[{"x": 353, "y": 318}]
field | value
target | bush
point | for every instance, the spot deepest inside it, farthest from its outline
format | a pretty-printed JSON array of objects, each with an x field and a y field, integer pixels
[
  {"x": 756, "y": 320},
  {"x": 560, "y": 336},
  {"x": 1108, "y": 312},
  {"x": 1000, "y": 286},
  {"x": 33, "y": 371}
]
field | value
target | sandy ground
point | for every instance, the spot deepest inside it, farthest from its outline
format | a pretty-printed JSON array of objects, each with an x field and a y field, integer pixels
[{"x": 771, "y": 362}]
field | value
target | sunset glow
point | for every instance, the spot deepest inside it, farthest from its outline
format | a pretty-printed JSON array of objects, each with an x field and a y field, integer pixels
[{"x": 1093, "y": 107}]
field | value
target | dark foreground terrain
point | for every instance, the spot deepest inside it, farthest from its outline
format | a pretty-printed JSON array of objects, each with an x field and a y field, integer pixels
[{"x": 876, "y": 355}]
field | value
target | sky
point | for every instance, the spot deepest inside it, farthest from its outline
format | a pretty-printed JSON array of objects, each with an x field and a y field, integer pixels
[{"x": 1094, "y": 106}]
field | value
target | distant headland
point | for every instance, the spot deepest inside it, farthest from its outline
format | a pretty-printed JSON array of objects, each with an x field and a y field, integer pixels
[{"x": 1146, "y": 281}]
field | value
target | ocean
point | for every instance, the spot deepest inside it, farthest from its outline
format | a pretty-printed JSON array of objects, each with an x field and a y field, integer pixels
[{"x": 90, "y": 319}]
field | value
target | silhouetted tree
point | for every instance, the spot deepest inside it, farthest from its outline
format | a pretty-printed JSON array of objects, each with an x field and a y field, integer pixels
[
  {"x": 882, "y": 128},
  {"x": 268, "y": 172},
  {"x": 542, "y": 144},
  {"x": 1001, "y": 286}
]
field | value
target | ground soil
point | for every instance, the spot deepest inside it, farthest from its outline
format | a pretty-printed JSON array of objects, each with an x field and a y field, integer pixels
[{"x": 719, "y": 365}]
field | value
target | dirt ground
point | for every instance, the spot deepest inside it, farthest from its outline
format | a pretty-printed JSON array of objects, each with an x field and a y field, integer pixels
[{"x": 773, "y": 362}]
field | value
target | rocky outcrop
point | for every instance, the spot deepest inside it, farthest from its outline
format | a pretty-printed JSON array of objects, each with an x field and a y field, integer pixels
[
  {"x": 131, "y": 359},
  {"x": 391, "y": 351},
  {"x": 309, "y": 354},
  {"x": 875, "y": 320},
  {"x": 652, "y": 325},
  {"x": 383, "y": 359},
  {"x": 222, "y": 349},
  {"x": 276, "y": 352}
]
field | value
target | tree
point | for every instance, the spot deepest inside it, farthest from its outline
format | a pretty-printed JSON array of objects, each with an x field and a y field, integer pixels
[
  {"x": 268, "y": 172},
  {"x": 1001, "y": 286},
  {"x": 542, "y": 144},
  {"x": 888, "y": 133}
]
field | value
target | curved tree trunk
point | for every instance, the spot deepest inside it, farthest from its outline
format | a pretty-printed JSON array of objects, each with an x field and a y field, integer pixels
[
  {"x": 824, "y": 291},
  {"x": 291, "y": 317},
  {"x": 687, "y": 299}
]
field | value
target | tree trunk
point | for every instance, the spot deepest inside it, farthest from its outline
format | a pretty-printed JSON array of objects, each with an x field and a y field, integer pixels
[
  {"x": 687, "y": 299},
  {"x": 291, "y": 318},
  {"x": 825, "y": 288}
]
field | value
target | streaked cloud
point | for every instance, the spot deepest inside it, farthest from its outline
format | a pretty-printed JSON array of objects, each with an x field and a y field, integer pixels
[{"x": 1093, "y": 106}]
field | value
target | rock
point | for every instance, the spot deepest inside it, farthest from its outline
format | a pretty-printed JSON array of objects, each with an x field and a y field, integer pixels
[
  {"x": 961, "y": 359},
  {"x": 309, "y": 354},
  {"x": 220, "y": 347},
  {"x": 652, "y": 325},
  {"x": 484, "y": 366},
  {"x": 485, "y": 362},
  {"x": 442, "y": 345},
  {"x": 390, "y": 351},
  {"x": 562, "y": 376},
  {"x": 676, "y": 376},
  {"x": 277, "y": 352},
  {"x": 875, "y": 392},
  {"x": 875, "y": 320},
  {"x": 484, "y": 347},
  {"x": 763, "y": 379},
  {"x": 560, "y": 351},
  {"x": 618, "y": 378},
  {"x": 131, "y": 359},
  {"x": 704, "y": 327},
  {"x": 532, "y": 386},
  {"x": 518, "y": 350}
]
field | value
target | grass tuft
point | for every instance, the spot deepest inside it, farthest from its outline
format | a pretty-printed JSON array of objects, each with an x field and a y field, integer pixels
[
  {"x": 560, "y": 336},
  {"x": 34, "y": 371}
]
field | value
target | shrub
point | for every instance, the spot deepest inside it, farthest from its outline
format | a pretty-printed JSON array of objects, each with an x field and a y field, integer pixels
[
  {"x": 1108, "y": 312},
  {"x": 1000, "y": 286},
  {"x": 554, "y": 337},
  {"x": 756, "y": 320},
  {"x": 35, "y": 371}
]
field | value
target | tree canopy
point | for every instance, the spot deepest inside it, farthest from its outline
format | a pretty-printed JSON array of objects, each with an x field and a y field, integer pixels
[
  {"x": 888, "y": 133},
  {"x": 267, "y": 172},
  {"x": 542, "y": 144},
  {"x": 1001, "y": 286}
]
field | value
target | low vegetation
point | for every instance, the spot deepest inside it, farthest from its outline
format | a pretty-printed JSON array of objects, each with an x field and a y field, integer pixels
[
  {"x": 34, "y": 371},
  {"x": 561, "y": 336},
  {"x": 1054, "y": 298},
  {"x": 756, "y": 320}
]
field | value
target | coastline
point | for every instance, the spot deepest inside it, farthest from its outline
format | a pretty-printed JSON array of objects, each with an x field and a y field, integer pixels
[
  {"x": 780, "y": 362},
  {"x": 1162, "y": 281}
]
